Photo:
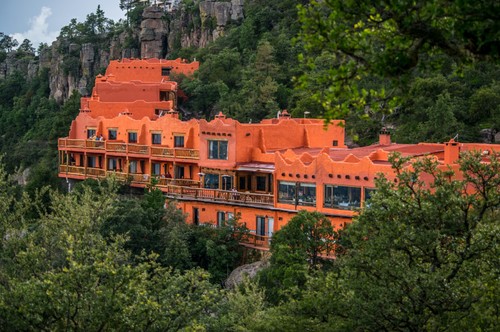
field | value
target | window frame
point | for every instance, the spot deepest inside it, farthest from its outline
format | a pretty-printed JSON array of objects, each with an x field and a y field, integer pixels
[
  {"x": 215, "y": 153},
  {"x": 132, "y": 133},
  {"x": 156, "y": 135}
]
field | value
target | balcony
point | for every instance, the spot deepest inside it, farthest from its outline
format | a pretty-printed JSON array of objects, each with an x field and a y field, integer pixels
[
  {"x": 126, "y": 148},
  {"x": 175, "y": 153},
  {"x": 218, "y": 195},
  {"x": 173, "y": 188}
]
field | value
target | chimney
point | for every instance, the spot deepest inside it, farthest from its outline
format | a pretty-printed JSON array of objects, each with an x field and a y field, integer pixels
[
  {"x": 384, "y": 137},
  {"x": 451, "y": 151}
]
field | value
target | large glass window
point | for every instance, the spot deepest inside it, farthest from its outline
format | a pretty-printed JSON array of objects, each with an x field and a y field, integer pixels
[
  {"x": 179, "y": 141},
  {"x": 342, "y": 197},
  {"x": 286, "y": 192},
  {"x": 217, "y": 149},
  {"x": 297, "y": 193},
  {"x": 307, "y": 194},
  {"x": 156, "y": 138},
  {"x": 368, "y": 194},
  {"x": 132, "y": 137},
  {"x": 211, "y": 181}
]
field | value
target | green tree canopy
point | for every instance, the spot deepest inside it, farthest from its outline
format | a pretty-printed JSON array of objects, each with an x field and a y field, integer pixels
[{"x": 387, "y": 42}]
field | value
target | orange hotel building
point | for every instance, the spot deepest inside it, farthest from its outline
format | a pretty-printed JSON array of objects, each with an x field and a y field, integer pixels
[{"x": 263, "y": 172}]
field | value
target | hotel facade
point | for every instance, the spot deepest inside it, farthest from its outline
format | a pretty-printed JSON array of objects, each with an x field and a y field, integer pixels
[{"x": 263, "y": 173}]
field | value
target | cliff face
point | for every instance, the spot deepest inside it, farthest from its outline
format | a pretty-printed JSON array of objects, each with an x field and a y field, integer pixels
[{"x": 73, "y": 66}]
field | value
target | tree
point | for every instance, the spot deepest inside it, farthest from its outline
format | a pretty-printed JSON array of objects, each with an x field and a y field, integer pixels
[
  {"x": 58, "y": 272},
  {"x": 423, "y": 256},
  {"x": 297, "y": 250},
  {"x": 388, "y": 42},
  {"x": 7, "y": 43}
]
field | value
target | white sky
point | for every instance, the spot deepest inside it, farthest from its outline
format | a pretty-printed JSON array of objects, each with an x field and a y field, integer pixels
[{"x": 41, "y": 20}]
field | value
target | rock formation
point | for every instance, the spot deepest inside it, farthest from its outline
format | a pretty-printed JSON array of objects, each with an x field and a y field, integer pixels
[{"x": 73, "y": 66}]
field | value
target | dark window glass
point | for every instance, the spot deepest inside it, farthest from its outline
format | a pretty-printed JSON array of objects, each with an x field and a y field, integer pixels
[
  {"x": 286, "y": 192},
  {"x": 368, "y": 194},
  {"x": 261, "y": 183},
  {"x": 342, "y": 197},
  {"x": 91, "y": 133},
  {"x": 217, "y": 149},
  {"x": 155, "y": 168},
  {"x": 261, "y": 226},
  {"x": 179, "y": 141},
  {"x": 132, "y": 137},
  {"x": 165, "y": 71},
  {"x": 227, "y": 182},
  {"x": 156, "y": 138},
  {"x": 112, "y": 135},
  {"x": 221, "y": 216},
  {"x": 211, "y": 181}
]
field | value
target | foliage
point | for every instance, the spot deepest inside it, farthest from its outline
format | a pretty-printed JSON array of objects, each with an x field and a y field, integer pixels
[
  {"x": 389, "y": 42},
  {"x": 58, "y": 272},
  {"x": 422, "y": 256},
  {"x": 297, "y": 250}
]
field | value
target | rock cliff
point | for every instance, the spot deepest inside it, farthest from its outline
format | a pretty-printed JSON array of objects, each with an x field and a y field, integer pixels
[{"x": 73, "y": 66}]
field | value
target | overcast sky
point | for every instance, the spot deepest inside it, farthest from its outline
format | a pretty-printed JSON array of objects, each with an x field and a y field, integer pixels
[{"x": 41, "y": 20}]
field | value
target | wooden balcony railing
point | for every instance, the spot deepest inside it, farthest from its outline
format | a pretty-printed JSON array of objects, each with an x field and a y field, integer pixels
[
  {"x": 116, "y": 147},
  {"x": 138, "y": 149},
  {"x": 121, "y": 147},
  {"x": 174, "y": 188},
  {"x": 255, "y": 240},
  {"x": 219, "y": 195},
  {"x": 157, "y": 151}
]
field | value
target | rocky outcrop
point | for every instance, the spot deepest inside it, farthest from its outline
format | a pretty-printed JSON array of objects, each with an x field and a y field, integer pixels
[
  {"x": 200, "y": 25},
  {"x": 153, "y": 33},
  {"x": 245, "y": 271},
  {"x": 73, "y": 66}
]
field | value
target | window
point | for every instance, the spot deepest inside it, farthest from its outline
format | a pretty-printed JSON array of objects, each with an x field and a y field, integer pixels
[
  {"x": 368, "y": 194},
  {"x": 261, "y": 226},
  {"x": 244, "y": 182},
  {"x": 227, "y": 182},
  {"x": 261, "y": 183},
  {"x": 112, "y": 134},
  {"x": 179, "y": 172},
  {"x": 211, "y": 181},
  {"x": 335, "y": 143},
  {"x": 156, "y": 138},
  {"x": 297, "y": 193},
  {"x": 178, "y": 141},
  {"x": 155, "y": 168},
  {"x": 91, "y": 132},
  {"x": 230, "y": 216},
  {"x": 112, "y": 164},
  {"x": 132, "y": 166},
  {"x": 286, "y": 192},
  {"x": 165, "y": 71},
  {"x": 217, "y": 149},
  {"x": 92, "y": 161},
  {"x": 221, "y": 218},
  {"x": 342, "y": 197},
  {"x": 307, "y": 194},
  {"x": 132, "y": 137}
]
